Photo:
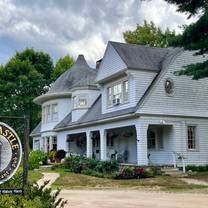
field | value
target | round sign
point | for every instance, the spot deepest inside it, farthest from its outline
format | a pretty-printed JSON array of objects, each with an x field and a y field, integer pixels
[{"x": 10, "y": 152}]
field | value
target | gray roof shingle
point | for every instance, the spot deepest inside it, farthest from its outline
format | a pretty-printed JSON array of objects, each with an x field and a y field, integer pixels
[
  {"x": 141, "y": 56},
  {"x": 79, "y": 75},
  {"x": 92, "y": 115}
]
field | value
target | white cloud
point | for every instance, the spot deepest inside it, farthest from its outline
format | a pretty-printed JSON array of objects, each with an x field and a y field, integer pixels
[{"x": 76, "y": 26}]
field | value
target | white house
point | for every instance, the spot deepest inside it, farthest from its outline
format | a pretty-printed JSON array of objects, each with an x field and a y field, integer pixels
[{"x": 133, "y": 108}]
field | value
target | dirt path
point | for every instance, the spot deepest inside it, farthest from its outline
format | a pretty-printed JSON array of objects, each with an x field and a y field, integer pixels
[
  {"x": 194, "y": 181},
  {"x": 132, "y": 199},
  {"x": 127, "y": 198},
  {"x": 48, "y": 177}
]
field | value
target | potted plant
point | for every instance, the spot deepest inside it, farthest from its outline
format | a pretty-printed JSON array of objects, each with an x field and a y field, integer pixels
[
  {"x": 52, "y": 155},
  {"x": 60, "y": 154}
]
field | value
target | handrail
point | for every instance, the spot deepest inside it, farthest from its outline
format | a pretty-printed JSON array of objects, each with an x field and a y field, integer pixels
[{"x": 181, "y": 157}]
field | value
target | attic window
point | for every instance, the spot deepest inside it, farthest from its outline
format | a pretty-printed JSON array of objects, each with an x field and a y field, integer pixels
[{"x": 169, "y": 86}]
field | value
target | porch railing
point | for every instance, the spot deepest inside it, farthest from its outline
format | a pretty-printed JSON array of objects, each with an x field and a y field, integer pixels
[{"x": 181, "y": 157}]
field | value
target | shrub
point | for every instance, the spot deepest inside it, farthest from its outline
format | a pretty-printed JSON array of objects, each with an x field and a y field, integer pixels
[
  {"x": 52, "y": 155},
  {"x": 136, "y": 172},
  {"x": 79, "y": 164},
  {"x": 36, "y": 159},
  {"x": 194, "y": 168},
  {"x": 36, "y": 197}
]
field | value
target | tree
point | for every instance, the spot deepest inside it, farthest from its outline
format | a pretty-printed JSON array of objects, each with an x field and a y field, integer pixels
[
  {"x": 149, "y": 34},
  {"x": 194, "y": 36},
  {"x": 62, "y": 65},
  {"x": 23, "y": 78}
]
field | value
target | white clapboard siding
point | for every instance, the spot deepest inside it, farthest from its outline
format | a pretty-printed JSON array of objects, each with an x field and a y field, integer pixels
[
  {"x": 138, "y": 80},
  {"x": 190, "y": 97},
  {"x": 64, "y": 107},
  {"x": 111, "y": 64}
]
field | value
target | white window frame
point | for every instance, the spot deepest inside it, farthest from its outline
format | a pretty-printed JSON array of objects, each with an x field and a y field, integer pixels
[
  {"x": 123, "y": 96},
  {"x": 159, "y": 141},
  {"x": 195, "y": 137},
  {"x": 77, "y": 101},
  {"x": 48, "y": 113},
  {"x": 54, "y": 114}
]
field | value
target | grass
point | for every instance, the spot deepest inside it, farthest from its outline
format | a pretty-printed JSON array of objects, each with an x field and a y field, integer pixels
[
  {"x": 69, "y": 180},
  {"x": 34, "y": 176},
  {"x": 200, "y": 176}
]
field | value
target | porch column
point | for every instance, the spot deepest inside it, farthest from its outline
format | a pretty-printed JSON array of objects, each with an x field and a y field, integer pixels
[
  {"x": 89, "y": 144},
  {"x": 45, "y": 144},
  {"x": 103, "y": 144},
  {"x": 50, "y": 143},
  {"x": 141, "y": 131}
]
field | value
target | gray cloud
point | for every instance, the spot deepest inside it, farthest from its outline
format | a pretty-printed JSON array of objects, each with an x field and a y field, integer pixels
[{"x": 76, "y": 26}]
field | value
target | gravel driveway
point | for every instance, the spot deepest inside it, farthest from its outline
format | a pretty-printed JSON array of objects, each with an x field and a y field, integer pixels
[{"x": 132, "y": 199}]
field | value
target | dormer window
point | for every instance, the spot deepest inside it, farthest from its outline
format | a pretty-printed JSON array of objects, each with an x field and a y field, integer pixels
[
  {"x": 118, "y": 93},
  {"x": 82, "y": 102},
  {"x": 79, "y": 102}
]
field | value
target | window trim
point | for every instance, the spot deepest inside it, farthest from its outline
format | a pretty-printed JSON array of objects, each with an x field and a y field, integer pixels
[
  {"x": 196, "y": 149},
  {"x": 76, "y": 104},
  {"x": 155, "y": 130},
  {"x": 112, "y": 85},
  {"x": 48, "y": 118}
]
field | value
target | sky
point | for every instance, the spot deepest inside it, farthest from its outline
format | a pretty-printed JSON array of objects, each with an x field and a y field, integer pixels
[{"x": 74, "y": 27}]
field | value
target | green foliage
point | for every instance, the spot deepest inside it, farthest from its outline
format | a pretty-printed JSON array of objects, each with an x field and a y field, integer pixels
[
  {"x": 194, "y": 36},
  {"x": 191, "y": 6},
  {"x": 150, "y": 34},
  {"x": 194, "y": 168},
  {"x": 36, "y": 197},
  {"x": 137, "y": 172},
  {"x": 36, "y": 159},
  {"x": 23, "y": 78},
  {"x": 94, "y": 167},
  {"x": 15, "y": 181},
  {"x": 62, "y": 65}
]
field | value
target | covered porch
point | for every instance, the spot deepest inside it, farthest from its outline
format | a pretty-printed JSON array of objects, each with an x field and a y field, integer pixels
[{"x": 106, "y": 144}]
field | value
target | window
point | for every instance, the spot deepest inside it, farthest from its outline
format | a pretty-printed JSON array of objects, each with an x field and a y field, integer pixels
[
  {"x": 126, "y": 91},
  {"x": 151, "y": 139},
  {"x": 43, "y": 115},
  {"x": 155, "y": 138},
  {"x": 82, "y": 102},
  {"x": 169, "y": 87},
  {"x": 120, "y": 92},
  {"x": 54, "y": 143},
  {"x": 48, "y": 113},
  {"x": 191, "y": 137},
  {"x": 54, "y": 112},
  {"x": 79, "y": 102}
]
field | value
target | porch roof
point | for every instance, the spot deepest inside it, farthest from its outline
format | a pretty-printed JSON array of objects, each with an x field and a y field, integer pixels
[
  {"x": 93, "y": 114},
  {"x": 36, "y": 130}
]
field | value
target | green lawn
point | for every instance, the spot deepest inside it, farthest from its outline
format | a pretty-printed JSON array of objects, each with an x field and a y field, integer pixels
[
  {"x": 34, "y": 176},
  {"x": 69, "y": 180}
]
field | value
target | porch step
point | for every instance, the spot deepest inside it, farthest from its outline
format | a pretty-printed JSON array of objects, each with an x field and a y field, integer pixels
[{"x": 174, "y": 172}]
